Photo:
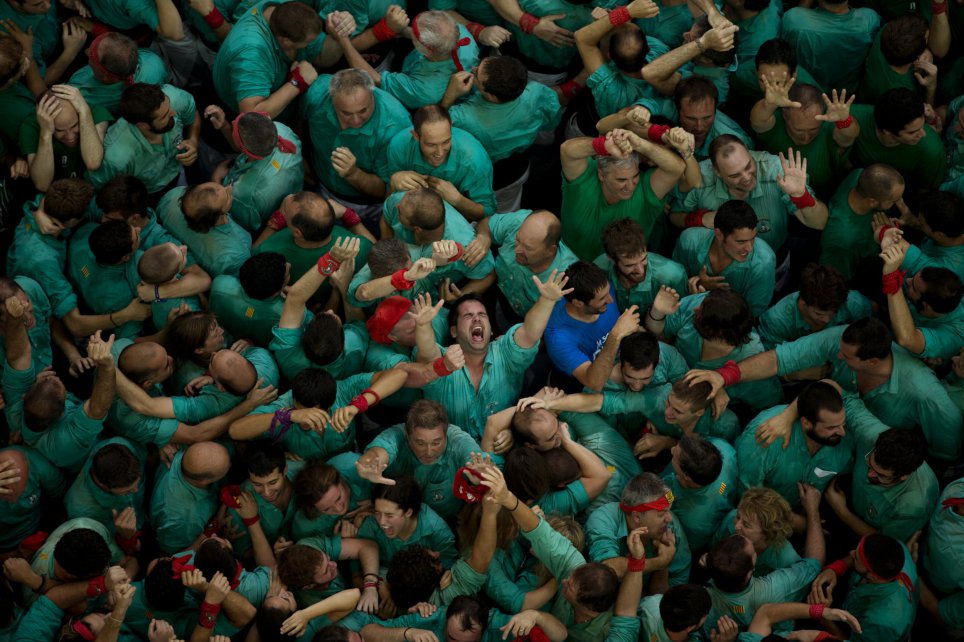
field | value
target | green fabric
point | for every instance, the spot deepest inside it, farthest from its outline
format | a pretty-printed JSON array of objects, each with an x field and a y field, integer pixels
[
  {"x": 39, "y": 335},
  {"x": 465, "y": 581},
  {"x": 86, "y": 499},
  {"x": 286, "y": 347},
  {"x": 17, "y": 105},
  {"x": 885, "y": 611},
  {"x": 783, "y": 321},
  {"x": 592, "y": 431},
  {"x": 943, "y": 335},
  {"x": 930, "y": 254},
  {"x": 770, "y": 203},
  {"x": 243, "y": 315},
  {"x": 467, "y": 166},
  {"x": 753, "y": 278},
  {"x": 912, "y": 396},
  {"x": 475, "y": 10},
  {"x": 150, "y": 69},
  {"x": 196, "y": 21},
  {"x": 679, "y": 327},
  {"x": 41, "y": 622},
  {"x": 275, "y": 522},
  {"x": 510, "y": 577},
  {"x": 770, "y": 559},
  {"x": 431, "y": 531},
  {"x": 421, "y": 81},
  {"x": 261, "y": 185},
  {"x": 368, "y": 143},
  {"x": 943, "y": 553},
  {"x": 700, "y": 511},
  {"x": 514, "y": 280},
  {"x": 434, "y": 479},
  {"x": 139, "y": 615},
  {"x": 366, "y": 13},
  {"x": 46, "y": 31},
  {"x": 879, "y": 76},
  {"x": 570, "y": 500},
  {"x": 126, "y": 14},
  {"x": 541, "y": 52},
  {"x": 921, "y": 165},
  {"x": 68, "y": 162},
  {"x": 22, "y": 518},
  {"x": 43, "y": 258},
  {"x": 669, "y": 25},
  {"x": 954, "y": 137},
  {"x": 126, "y": 151},
  {"x": 832, "y": 46},
  {"x": 503, "y": 370},
  {"x": 746, "y": 84},
  {"x": 722, "y": 124},
  {"x": 359, "y": 490},
  {"x": 754, "y": 31},
  {"x": 585, "y": 212},
  {"x": 613, "y": 90},
  {"x": 221, "y": 250},
  {"x": 504, "y": 129},
  {"x": 849, "y": 236},
  {"x": 651, "y": 622},
  {"x": 179, "y": 510},
  {"x": 659, "y": 271},
  {"x": 824, "y": 158}
]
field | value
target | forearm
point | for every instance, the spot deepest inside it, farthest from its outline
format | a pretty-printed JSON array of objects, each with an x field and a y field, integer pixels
[
  {"x": 169, "y": 23},
  {"x": 379, "y": 633},
  {"x": 535, "y": 323},
  {"x": 815, "y": 217},
  {"x": 495, "y": 424},
  {"x": 103, "y": 392},
  {"x": 815, "y": 546},
  {"x": 263, "y": 552},
  {"x": 215, "y": 427},
  {"x": 91, "y": 144},
  {"x": 555, "y": 630},
  {"x": 599, "y": 370},
  {"x": 141, "y": 402},
  {"x": 662, "y": 69},
  {"x": 375, "y": 289},
  {"x": 594, "y": 474},
  {"x": 250, "y": 427},
  {"x": 774, "y": 612},
  {"x": 854, "y": 523},
  {"x": 56, "y": 69},
  {"x": 427, "y": 349},
  {"x": 367, "y": 183},
  {"x": 62, "y": 340},
  {"x": 33, "y": 80},
  {"x": 484, "y": 546},
  {"x": 630, "y": 591},
  {"x": 846, "y": 137},
  {"x": 357, "y": 61},
  {"x": 17, "y": 344},
  {"x": 539, "y": 597},
  {"x": 468, "y": 208},
  {"x": 939, "y": 37},
  {"x": 759, "y": 366},
  {"x": 479, "y": 286},
  {"x": 618, "y": 120},
  {"x": 84, "y": 325},
  {"x": 763, "y": 116},
  {"x": 663, "y": 157},
  {"x": 237, "y": 609},
  {"x": 273, "y": 104},
  {"x": 905, "y": 332},
  {"x": 692, "y": 176},
  {"x": 574, "y": 154},
  {"x": 340, "y": 601},
  {"x": 386, "y": 383},
  {"x": 193, "y": 281},
  {"x": 368, "y": 559},
  {"x": 577, "y": 403},
  {"x": 42, "y": 164}
]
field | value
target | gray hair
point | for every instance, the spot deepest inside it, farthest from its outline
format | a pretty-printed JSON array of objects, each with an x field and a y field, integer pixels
[
  {"x": 438, "y": 32},
  {"x": 606, "y": 163},
  {"x": 347, "y": 81},
  {"x": 643, "y": 488}
]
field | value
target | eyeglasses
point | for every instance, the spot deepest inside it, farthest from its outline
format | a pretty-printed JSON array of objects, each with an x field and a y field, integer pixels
[{"x": 884, "y": 478}]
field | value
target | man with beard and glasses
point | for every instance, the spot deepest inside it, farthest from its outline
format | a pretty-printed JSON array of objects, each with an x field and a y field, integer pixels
[{"x": 157, "y": 133}]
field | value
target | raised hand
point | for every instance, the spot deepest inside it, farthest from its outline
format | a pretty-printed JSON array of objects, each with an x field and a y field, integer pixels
[
  {"x": 371, "y": 468},
  {"x": 216, "y": 116},
  {"x": 48, "y": 109},
  {"x": 722, "y": 38},
  {"x": 666, "y": 301},
  {"x": 681, "y": 140},
  {"x": 552, "y": 289},
  {"x": 643, "y": 9},
  {"x": 838, "y": 108},
  {"x": 776, "y": 88},
  {"x": 494, "y": 36},
  {"x": 443, "y": 252},
  {"x": 627, "y": 323},
  {"x": 218, "y": 589},
  {"x": 793, "y": 181},
  {"x": 99, "y": 350},
  {"x": 925, "y": 72},
  {"x": 340, "y": 24},
  {"x": 635, "y": 543},
  {"x": 454, "y": 358},
  {"x": 893, "y": 256},
  {"x": 396, "y": 18},
  {"x": 424, "y": 311},
  {"x": 639, "y": 116},
  {"x": 420, "y": 269},
  {"x": 345, "y": 248}
]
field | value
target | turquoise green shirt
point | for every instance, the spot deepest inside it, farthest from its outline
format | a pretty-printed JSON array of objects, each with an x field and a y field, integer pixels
[
  {"x": 754, "y": 31},
  {"x": 17, "y": 105},
  {"x": 753, "y": 278},
  {"x": 849, "y": 236},
  {"x": 475, "y": 10},
  {"x": 651, "y": 622},
  {"x": 679, "y": 327},
  {"x": 592, "y": 431},
  {"x": 669, "y": 25},
  {"x": 514, "y": 280},
  {"x": 243, "y": 315},
  {"x": 368, "y": 143},
  {"x": 46, "y": 31},
  {"x": 422, "y": 81},
  {"x": 659, "y": 271},
  {"x": 467, "y": 166},
  {"x": 125, "y": 15},
  {"x": 885, "y": 611},
  {"x": 150, "y": 70},
  {"x": 503, "y": 371},
  {"x": 504, "y": 129},
  {"x": 930, "y": 254},
  {"x": 783, "y": 321},
  {"x": 366, "y": 13},
  {"x": 613, "y": 90},
  {"x": 921, "y": 165},
  {"x": 21, "y": 517},
  {"x": 770, "y": 559},
  {"x": 431, "y": 531},
  {"x": 770, "y": 203},
  {"x": 544, "y": 54},
  {"x": 261, "y": 185},
  {"x": 41, "y": 622},
  {"x": 700, "y": 511},
  {"x": 86, "y": 498},
  {"x": 434, "y": 479},
  {"x": 879, "y": 76},
  {"x": 43, "y": 258},
  {"x": 137, "y": 622},
  {"x": 126, "y": 151},
  {"x": 912, "y": 395},
  {"x": 275, "y": 522},
  {"x": 179, "y": 510},
  {"x": 943, "y": 335},
  {"x": 39, "y": 335},
  {"x": 832, "y": 46},
  {"x": 359, "y": 490},
  {"x": 221, "y": 250},
  {"x": 287, "y": 349},
  {"x": 943, "y": 552},
  {"x": 511, "y": 576}
]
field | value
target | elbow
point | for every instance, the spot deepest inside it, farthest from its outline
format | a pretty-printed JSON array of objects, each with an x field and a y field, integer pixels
[{"x": 173, "y": 32}]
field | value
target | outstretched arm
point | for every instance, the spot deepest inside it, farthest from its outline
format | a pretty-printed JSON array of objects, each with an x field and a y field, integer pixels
[
  {"x": 346, "y": 248},
  {"x": 538, "y": 316}
]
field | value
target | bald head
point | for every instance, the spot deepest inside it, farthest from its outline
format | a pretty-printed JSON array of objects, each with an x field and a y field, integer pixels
[
  {"x": 881, "y": 183},
  {"x": 232, "y": 372},
  {"x": 15, "y": 460},
  {"x": 145, "y": 363},
  {"x": 543, "y": 225},
  {"x": 205, "y": 463},
  {"x": 160, "y": 264}
]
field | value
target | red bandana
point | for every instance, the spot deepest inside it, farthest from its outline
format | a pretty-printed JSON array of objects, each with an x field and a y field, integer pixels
[
  {"x": 901, "y": 577},
  {"x": 100, "y": 69},
  {"x": 285, "y": 145},
  {"x": 454, "y": 53},
  {"x": 663, "y": 503}
]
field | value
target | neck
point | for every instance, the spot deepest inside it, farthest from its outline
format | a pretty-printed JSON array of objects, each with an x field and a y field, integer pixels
[
  {"x": 474, "y": 358},
  {"x": 885, "y": 139},
  {"x": 945, "y": 241},
  {"x": 406, "y": 532},
  {"x": 575, "y": 313},
  {"x": 883, "y": 368},
  {"x": 720, "y": 259},
  {"x": 150, "y": 136},
  {"x": 541, "y": 267},
  {"x": 424, "y": 237},
  {"x": 689, "y": 426},
  {"x": 310, "y": 245},
  {"x": 857, "y": 203},
  {"x": 812, "y": 446},
  {"x": 834, "y": 8}
]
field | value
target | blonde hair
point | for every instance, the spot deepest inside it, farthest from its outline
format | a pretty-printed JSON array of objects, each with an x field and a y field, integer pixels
[{"x": 771, "y": 511}]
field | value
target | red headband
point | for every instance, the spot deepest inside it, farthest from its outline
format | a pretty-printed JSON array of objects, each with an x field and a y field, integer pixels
[
  {"x": 180, "y": 565},
  {"x": 285, "y": 145},
  {"x": 83, "y": 631},
  {"x": 901, "y": 577},
  {"x": 100, "y": 69},
  {"x": 454, "y": 53},
  {"x": 663, "y": 503},
  {"x": 389, "y": 312},
  {"x": 951, "y": 502}
]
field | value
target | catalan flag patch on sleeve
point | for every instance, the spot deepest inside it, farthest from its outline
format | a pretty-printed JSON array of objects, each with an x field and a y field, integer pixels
[
  {"x": 722, "y": 487},
  {"x": 739, "y": 609},
  {"x": 85, "y": 272},
  {"x": 276, "y": 165},
  {"x": 249, "y": 312}
]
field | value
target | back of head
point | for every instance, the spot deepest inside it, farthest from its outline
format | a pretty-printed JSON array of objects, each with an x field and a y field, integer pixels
[
  {"x": 943, "y": 293},
  {"x": 563, "y": 467},
  {"x": 735, "y": 215},
  {"x": 233, "y": 372},
  {"x": 200, "y": 207},
  {"x": 823, "y": 287},
  {"x": 324, "y": 339},
  {"x": 695, "y": 395},
  {"x": 437, "y": 32},
  {"x": 430, "y": 114},
  {"x": 263, "y": 457},
  {"x": 943, "y": 212},
  {"x": 214, "y": 557},
  {"x": 413, "y": 575},
  {"x": 526, "y": 474},
  {"x": 111, "y": 242},
  {"x": 777, "y": 52},
  {"x": 903, "y": 39},
  {"x": 598, "y": 585},
  {"x": 770, "y": 511},
  {"x": 263, "y": 275},
  {"x": 724, "y": 315},
  {"x": 807, "y": 95},
  {"x": 43, "y": 404},
  {"x": 140, "y": 102},
  {"x": 314, "y": 388},
  {"x": 900, "y": 451},
  {"x": 623, "y": 237},
  {"x": 878, "y": 181},
  {"x": 159, "y": 264},
  {"x": 258, "y": 133},
  {"x": 405, "y": 492},
  {"x": 82, "y": 553},
  {"x": 428, "y": 209},
  {"x": 269, "y": 621},
  {"x": 297, "y": 564},
  {"x": 684, "y": 606},
  {"x": 730, "y": 563},
  {"x": 817, "y": 397},
  {"x": 187, "y": 333},
  {"x": 426, "y": 413},
  {"x": 295, "y": 21},
  {"x": 695, "y": 89},
  {"x": 699, "y": 460},
  {"x": 628, "y": 48},
  {"x": 135, "y": 360},
  {"x": 313, "y": 216},
  {"x": 639, "y": 350},
  {"x": 388, "y": 256},
  {"x": 125, "y": 195},
  {"x": 468, "y": 612},
  {"x": 117, "y": 54},
  {"x": 871, "y": 336},
  {"x": 331, "y": 633},
  {"x": 161, "y": 590},
  {"x": 883, "y": 554},
  {"x": 114, "y": 466},
  {"x": 506, "y": 78},
  {"x": 586, "y": 279},
  {"x": 897, "y": 108},
  {"x": 722, "y": 147},
  {"x": 311, "y": 484},
  {"x": 67, "y": 199},
  {"x": 205, "y": 461},
  {"x": 642, "y": 489}
]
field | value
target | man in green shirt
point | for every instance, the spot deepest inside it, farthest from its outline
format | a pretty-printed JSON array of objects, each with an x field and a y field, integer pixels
[
  {"x": 680, "y": 611},
  {"x": 602, "y": 183},
  {"x": 897, "y": 58},
  {"x": 115, "y": 62},
  {"x": 941, "y": 217},
  {"x": 942, "y": 557},
  {"x": 849, "y": 236},
  {"x": 21, "y": 512},
  {"x": 250, "y": 304},
  {"x": 893, "y": 131},
  {"x": 157, "y": 134}
]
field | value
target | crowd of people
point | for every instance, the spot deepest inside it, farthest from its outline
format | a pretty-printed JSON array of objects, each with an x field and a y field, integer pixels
[{"x": 531, "y": 320}]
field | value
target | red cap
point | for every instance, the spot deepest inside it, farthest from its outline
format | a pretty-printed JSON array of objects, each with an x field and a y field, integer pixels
[{"x": 387, "y": 314}]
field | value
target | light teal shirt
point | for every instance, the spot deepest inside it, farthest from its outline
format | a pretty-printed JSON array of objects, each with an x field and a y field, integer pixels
[
  {"x": 422, "y": 81},
  {"x": 783, "y": 321},
  {"x": 150, "y": 70}
]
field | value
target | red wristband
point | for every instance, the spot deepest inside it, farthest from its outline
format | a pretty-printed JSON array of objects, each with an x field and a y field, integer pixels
[
  {"x": 367, "y": 585},
  {"x": 937, "y": 8},
  {"x": 327, "y": 265},
  {"x": 399, "y": 282},
  {"x": 128, "y": 544},
  {"x": 619, "y": 16},
  {"x": 845, "y": 123},
  {"x": 655, "y": 132},
  {"x": 695, "y": 219},
  {"x": 803, "y": 201},
  {"x": 634, "y": 565},
  {"x": 214, "y": 19},
  {"x": 823, "y": 636},
  {"x": 96, "y": 586},
  {"x": 350, "y": 218},
  {"x": 839, "y": 567},
  {"x": 360, "y": 402},
  {"x": 892, "y": 282},
  {"x": 208, "y": 615},
  {"x": 248, "y": 521},
  {"x": 599, "y": 146},
  {"x": 883, "y": 230},
  {"x": 570, "y": 89},
  {"x": 816, "y": 611},
  {"x": 475, "y": 29},
  {"x": 382, "y": 31},
  {"x": 277, "y": 221},
  {"x": 378, "y": 397},
  {"x": 528, "y": 22},
  {"x": 440, "y": 368},
  {"x": 295, "y": 78},
  {"x": 730, "y": 372},
  {"x": 458, "y": 254}
]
